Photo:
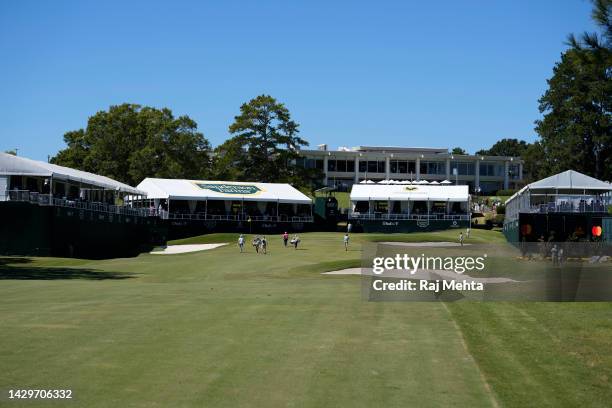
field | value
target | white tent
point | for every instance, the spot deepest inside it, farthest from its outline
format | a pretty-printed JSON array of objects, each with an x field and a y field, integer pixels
[
  {"x": 570, "y": 180},
  {"x": 181, "y": 189},
  {"x": 409, "y": 193},
  {"x": 446, "y": 182},
  {"x": 20, "y": 166}
]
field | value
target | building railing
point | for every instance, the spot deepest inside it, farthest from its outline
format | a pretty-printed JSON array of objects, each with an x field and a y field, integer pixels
[
  {"x": 48, "y": 200},
  {"x": 416, "y": 217},
  {"x": 582, "y": 207},
  {"x": 236, "y": 217}
]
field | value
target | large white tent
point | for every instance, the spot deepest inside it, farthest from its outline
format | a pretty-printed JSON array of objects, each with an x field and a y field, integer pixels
[
  {"x": 569, "y": 191},
  {"x": 395, "y": 192},
  {"x": 181, "y": 189},
  {"x": 11, "y": 165}
]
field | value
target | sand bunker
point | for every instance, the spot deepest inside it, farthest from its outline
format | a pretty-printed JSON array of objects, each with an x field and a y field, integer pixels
[
  {"x": 421, "y": 274},
  {"x": 424, "y": 244},
  {"x": 183, "y": 249}
]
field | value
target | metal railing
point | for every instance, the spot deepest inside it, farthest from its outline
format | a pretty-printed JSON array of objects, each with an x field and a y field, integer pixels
[
  {"x": 582, "y": 207},
  {"x": 236, "y": 217},
  {"x": 386, "y": 216},
  {"x": 49, "y": 200}
]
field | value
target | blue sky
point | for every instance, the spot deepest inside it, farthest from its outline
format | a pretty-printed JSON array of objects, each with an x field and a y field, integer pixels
[{"x": 409, "y": 73}]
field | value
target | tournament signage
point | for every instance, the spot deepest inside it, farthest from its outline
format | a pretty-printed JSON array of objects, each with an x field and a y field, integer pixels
[{"x": 230, "y": 188}]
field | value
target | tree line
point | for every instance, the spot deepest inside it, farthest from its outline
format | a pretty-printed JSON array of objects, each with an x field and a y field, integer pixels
[{"x": 130, "y": 142}]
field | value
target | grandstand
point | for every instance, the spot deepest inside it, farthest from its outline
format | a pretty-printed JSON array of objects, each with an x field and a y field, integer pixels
[
  {"x": 403, "y": 206},
  {"x": 566, "y": 206}
]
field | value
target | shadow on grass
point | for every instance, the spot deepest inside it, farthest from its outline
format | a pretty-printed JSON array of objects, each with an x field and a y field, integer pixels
[{"x": 10, "y": 272}]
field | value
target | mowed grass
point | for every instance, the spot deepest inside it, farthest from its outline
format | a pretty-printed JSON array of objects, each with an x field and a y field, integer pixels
[{"x": 220, "y": 328}]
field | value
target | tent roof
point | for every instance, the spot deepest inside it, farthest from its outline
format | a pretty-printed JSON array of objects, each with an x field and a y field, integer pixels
[
  {"x": 361, "y": 192},
  {"x": 567, "y": 180},
  {"x": 570, "y": 179},
  {"x": 181, "y": 189},
  {"x": 20, "y": 166}
]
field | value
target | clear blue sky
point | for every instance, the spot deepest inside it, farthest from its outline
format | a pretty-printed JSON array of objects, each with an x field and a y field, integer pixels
[{"x": 410, "y": 73}]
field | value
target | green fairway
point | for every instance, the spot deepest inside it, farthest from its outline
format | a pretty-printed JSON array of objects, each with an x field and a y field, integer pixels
[{"x": 220, "y": 328}]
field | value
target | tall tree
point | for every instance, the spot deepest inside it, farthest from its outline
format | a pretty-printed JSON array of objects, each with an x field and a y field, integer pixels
[
  {"x": 505, "y": 147},
  {"x": 265, "y": 145},
  {"x": 576, "y": 130},
  {"x": 129, "y": 142}
]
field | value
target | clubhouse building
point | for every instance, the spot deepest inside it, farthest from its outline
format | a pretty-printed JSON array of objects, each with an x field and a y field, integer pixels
[{"x": 348, "y": 166}]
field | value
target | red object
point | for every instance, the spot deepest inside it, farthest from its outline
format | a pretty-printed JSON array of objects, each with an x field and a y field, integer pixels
[
  {"x": 526, "y": 229},
  {"x": 596, "y": 231}
]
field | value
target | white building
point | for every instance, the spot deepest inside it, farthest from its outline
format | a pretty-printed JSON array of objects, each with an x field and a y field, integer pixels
[
  {"x": 206, "y": 200},
  {"x": 347, "y": 166}
]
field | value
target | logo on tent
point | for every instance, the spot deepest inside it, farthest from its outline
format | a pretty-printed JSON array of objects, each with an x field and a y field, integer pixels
[
  {"x": 411, "y": 188},
  {"x": 230, "y": 188}
]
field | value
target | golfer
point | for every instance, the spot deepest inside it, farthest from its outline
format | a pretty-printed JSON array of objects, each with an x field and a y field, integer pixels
[
  {"x": 461, "y": 238},
  {"x": 295, "y": 241},
  {"x": 285, "y": 238},
  {"x": 346, "y": 241},
  {"x": 255, "y": 243},
  {"x": 241, "y": 243},
  {"x": 264, "y": 245}
]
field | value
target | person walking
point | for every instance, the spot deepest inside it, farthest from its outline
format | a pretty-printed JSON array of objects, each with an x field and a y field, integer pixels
[
  {"x": 255, "y": 243},
  {"x": 285, "y": 238},
  {"x": 467, "y": 232},
  {"x": 346, "y": 241},
  {"x": 295, "y": 241},
  {"x": 349, "y": 227},
  {"x": 264, "y": 245},
  {"x": 461, "y": 238},
  {"x": 241, "y": 243},
  {"x": 553, "y": 255}
]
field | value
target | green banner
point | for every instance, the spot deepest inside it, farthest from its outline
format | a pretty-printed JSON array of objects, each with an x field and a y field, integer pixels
[{"x": 230, "y": 188}]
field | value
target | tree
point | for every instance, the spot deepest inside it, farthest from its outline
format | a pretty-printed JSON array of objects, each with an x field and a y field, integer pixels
[
  {"x": 458, "y": 150},
  {"x": 576, "y": 130},
  {"x": 11, "y": 152},
  {"x": 505, "y": 147},
  {"x": 265, "y": 145},
  {"x": 534, "y": 163},
  {"x": 129, "y": 142}
]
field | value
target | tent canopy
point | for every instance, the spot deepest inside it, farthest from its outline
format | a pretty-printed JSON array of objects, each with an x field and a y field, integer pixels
[
  {"x": 20, "y": 166},
  {"x": 569, "y": 180},
  {"x": 181, "y": 189},
  {"x": 400, "y": 192}
]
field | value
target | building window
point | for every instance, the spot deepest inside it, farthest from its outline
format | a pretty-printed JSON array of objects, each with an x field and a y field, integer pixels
[
  {"x": 331, "y": 165},
  {"x": 491, "y": 169},
  {"x": 463, "y": 168},
  {"x": 514, "y": 171},
  {"x": 372, "y": 167},
  {"x": 350, "y": 166},
  {"x": 433, "y": 168},
  {"x": 363, "y": 166}
]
